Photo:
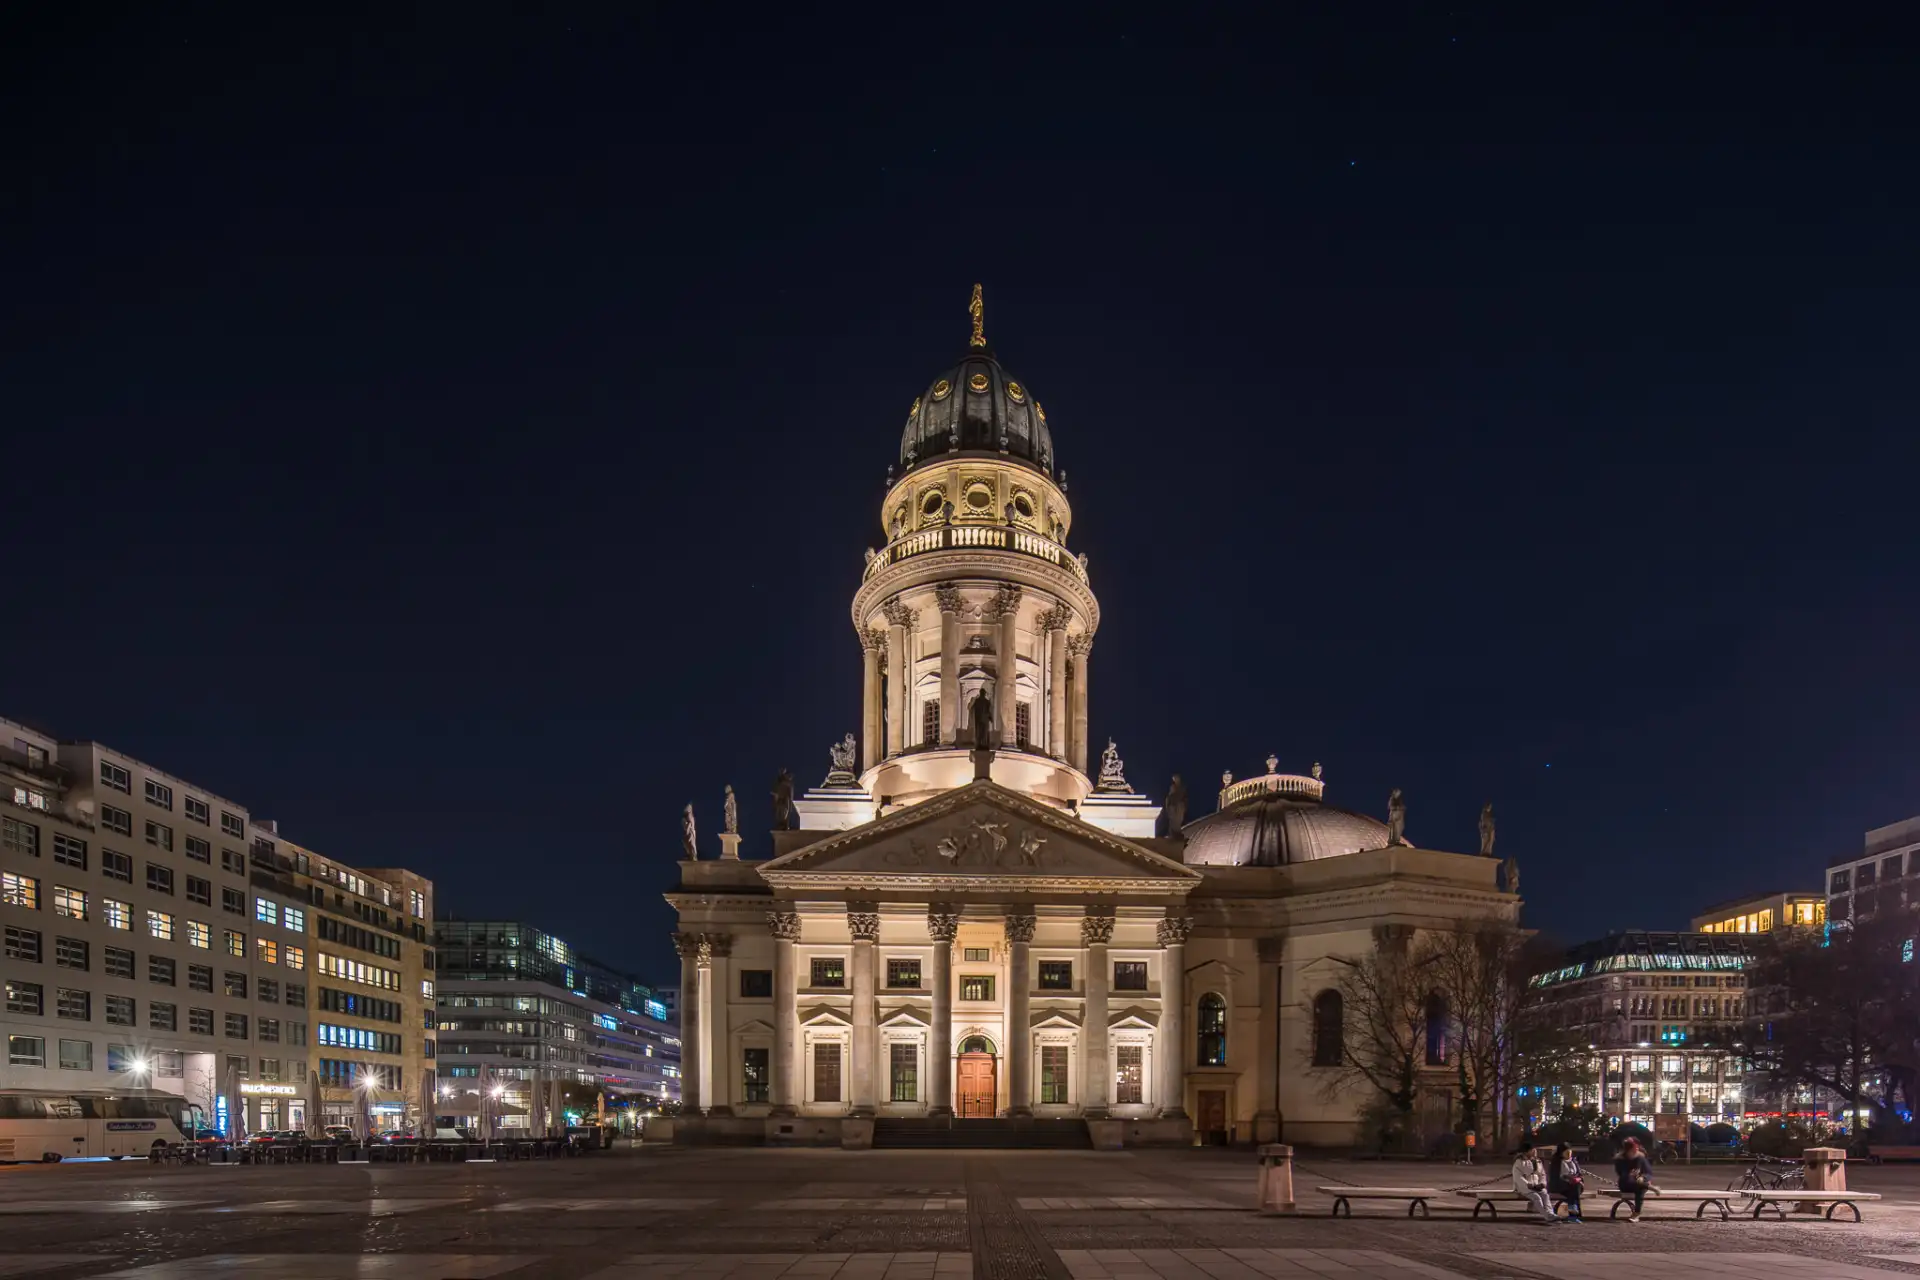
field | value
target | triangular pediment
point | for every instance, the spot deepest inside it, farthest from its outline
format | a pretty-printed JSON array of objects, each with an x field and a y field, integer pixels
[{"x": 980, "y": 836}]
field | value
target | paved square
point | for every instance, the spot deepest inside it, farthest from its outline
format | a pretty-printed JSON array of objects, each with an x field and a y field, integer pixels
[
  {"x": 822, "y": 1266},
  {"x": 1747, "y": 1266},
  {"x": 318, "y": 1266}
]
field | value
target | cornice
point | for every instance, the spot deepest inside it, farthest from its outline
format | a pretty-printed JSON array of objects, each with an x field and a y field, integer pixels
[
  {"x": 952, "y": 885},
  {"x": 934, "y": 567}
]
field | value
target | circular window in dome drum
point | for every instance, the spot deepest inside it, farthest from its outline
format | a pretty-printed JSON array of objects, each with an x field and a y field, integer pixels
[
  {"x": 1023, "y": 505},
  {"x": 978, "y": 382},
  {"x": 980, "y": 497},
  {"x": 931, "y": 502},
  {"x": 942, "y": 389},
  {"x": 1016, "y": 392}
]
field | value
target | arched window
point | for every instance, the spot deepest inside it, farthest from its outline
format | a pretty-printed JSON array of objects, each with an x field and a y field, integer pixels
[
  {"x": 976, "y": 1044},
  {"x": 1329, "y": 1029},
  {"x": 1436, "y": 1014},
  {"x": 1213, "y": 1030}
]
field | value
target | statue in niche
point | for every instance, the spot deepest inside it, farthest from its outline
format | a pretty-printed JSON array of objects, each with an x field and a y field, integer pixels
[
  {"x": 981, "y": 714},
  {"x": 689, "y": 849},
  {"x": 1176, "y": 807},
  {"x": 1396, "y": 818},
  {"x": 1486, "y": 830},
  {"x": 730, "y": 809},
  {"x": 783, "y": 801}
]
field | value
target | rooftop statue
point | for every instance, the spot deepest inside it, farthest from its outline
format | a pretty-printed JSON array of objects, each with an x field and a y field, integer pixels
[
  {"x": 1113, "y": 775},
  {"x": 1486, "y": 830},
  {"x": 1175, "y": 807},
  {"x": 842, "y": 753},
  {"x": 731, "y": 808},
  {"x": 980, "y": 712},
  {"x": 783, "y": 801},
  {"x": 689, "y": 849},
  {"x": 1396, "y": 818}
]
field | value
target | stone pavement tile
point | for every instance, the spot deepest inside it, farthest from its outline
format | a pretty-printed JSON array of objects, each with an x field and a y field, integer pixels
[
  {"x": 1911, "y": 1257},
  {"x": 94, "y": 1206},
  {"x": 1245, "y": 1264},
  {"x": 1118, "y": 1202},
  {"x": 328, "y": 1266},
  {"x": 615, "y": 1204},
  {"x": 791, "y": 1266},
  {"x": 1747, "y": 1266},
  {"x": 377, "y": 1207},
  {"x": 886, "y": 1205},
  {"x": 33, "y": 1264}
]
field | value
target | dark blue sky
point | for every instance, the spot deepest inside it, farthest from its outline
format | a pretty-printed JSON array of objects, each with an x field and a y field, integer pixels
[{"x": 455, "y": 435}]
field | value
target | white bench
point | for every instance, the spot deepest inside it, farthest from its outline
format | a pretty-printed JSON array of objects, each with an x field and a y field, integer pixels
[
  {"x": 1416, "y": 1198},
  {"x": 1780, "y": 1199},
  {"x": 1492, "y": 1199},
  {"x": 1721, "y": 1200}
]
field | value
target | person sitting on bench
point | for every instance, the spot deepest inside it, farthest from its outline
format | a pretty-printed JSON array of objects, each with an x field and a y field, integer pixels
[
  {"x": 1530, "y": 1181},
  {"x": 1564, "y": 1179}
]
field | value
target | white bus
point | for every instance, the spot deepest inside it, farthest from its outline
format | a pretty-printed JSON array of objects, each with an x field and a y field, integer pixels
[{"x": 59, "y": 1126}]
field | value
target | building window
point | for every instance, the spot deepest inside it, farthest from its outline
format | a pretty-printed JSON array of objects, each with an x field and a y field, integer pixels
[
  {"x": 26, "y": 997},
  {"x": 199, "y": 850},
  {"x": 1130, "y": 975},
  {"x": 1213, "y": 1030},
  {"x": 235, "y": 861},
  {"x": 69, "y": 1003},
  {"x": 70, "y": 953},
  {"x": 267, "y": 990},
  {"x": 1329, "y": 1029},
  {"x": 20, "y": 837},
  {"x": 233, "y": 902},
  {"x": 23, "y": 944},
  {"x": 119, "y": 962},
  {"x": 159, "y": 795},
  {"x": 297, "y": 995},
  {"x": 236, "y": 944},
  {"x": 269, "y": 1030},
  {"x": 236, "y": 1026},
  {"x": 199, "y": 935},
  {"x": 71, "y": 903},
  {"x": 26, "y": 1051},
  {"x": 116, "y": 819},
  {"x": 1023, "y": 721},
  {"x": 200, "y": 1022},
  {"x": 903, "y": 973},
  {"x": 1436, "y": 1029},
  {"x": 112, "y": 775},
  {"x": 19, "y": 891},
  {"x": 756, "y": 984},
  {"x": 1129, "y": 1073},
  {"x": 160, "y": 925},
  {"x": 266, "y": 911},
  {"x": 162, "y": 970},
  {"x": 1839, "y": 882},
  {"x": 200, "y": 977},
  {"x": 230, "y": 824},
  {"x": 976, "y": 986},
  {"x": 904, "y": 1070},
  {"x": 830, "y": 971},
  {"x": 756, "y": 1076},
  {"x": 1056, "y": 975},
  {"x": 29, "y": 798},
  {"x": 296, "y": 958},
  {"x": 120, "y": 1012},
  {"x": 1053, "y": 1073},
  {"x": 200, "y": 891},
  {"x": 159, "y": 878},
  {"x": 930, "y": 721},
  {"x": 76, "y": 1055},
  {"x": 197, "y": 810},
  {"x": 826, "y": 1070},
  {"x": 267, "y": 950},
  {"x": 118, "y": 915},
  {"x": 294, "y": 919},
  {"x": 296, "y": 1031},
  {"x": 235, "y": 984},
  {"x": 69, "y": 852},
  {"x": 977, "y": 955},
  {"x": 116, "y": 866}
]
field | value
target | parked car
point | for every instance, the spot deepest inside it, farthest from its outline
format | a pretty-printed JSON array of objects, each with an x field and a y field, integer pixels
[
  {"x": 338, "y": 1133},
  {"x": 277, "y": 1135}
]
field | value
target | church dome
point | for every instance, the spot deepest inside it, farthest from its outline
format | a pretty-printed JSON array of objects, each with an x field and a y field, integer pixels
[
  {"x": 1277, "y": 820},
  {"x": 977, "y": 407}
]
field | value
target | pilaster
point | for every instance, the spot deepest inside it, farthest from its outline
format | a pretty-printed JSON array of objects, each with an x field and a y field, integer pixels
[
  {"x": 1020, "y": 929},
  {"x": 1096, "y": 1082},
  {"x": 943, "y": 926},
  {"x": 1171, "y": 1054},
  {"x": 785, "y": 927},
  {"x": 863, "y": 921}
]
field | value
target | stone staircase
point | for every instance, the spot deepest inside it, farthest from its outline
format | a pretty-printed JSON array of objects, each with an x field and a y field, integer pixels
[{"x": 1057, "y": 1135}]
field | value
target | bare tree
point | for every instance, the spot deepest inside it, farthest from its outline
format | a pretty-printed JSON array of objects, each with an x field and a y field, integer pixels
[
  {"x": 1481, "y": 973},
  {"x": 1383, "y": 1042}
]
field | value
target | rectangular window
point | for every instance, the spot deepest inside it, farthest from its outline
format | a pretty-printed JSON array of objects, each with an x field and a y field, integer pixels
[
  {"x": 161, "y": 1016},
  {"x": 71, "y": 903},
  {"x": 903, "y": 1069},
  {"x": 69, "y": 1003},
  {"x": 296, "y": 1031},
  {"x": 267, "y": 951},
  {"x": 826, "y": 1071},
  {"x": 116, "y": 819},
  {"x": 297, "y": 994},
  {"x": 76, "y": 1055},
  {"x": 199, "y": 935},
  {"x": 977, "y": 955},
  {"x": 755, "y": 1075},
  {"x": 269, "y": 1068},
  {"x": 235, "y": 984},
  {"x": 1129, "y": 1073},
  {"x": 200, "y": 977},
  {"x": 1056, "y": 975},
  {"x": 70, "y": 953},
  {"x": 159, "y": 878},
  {"x": 120, "y": 1011},
  {"x": 1053, "y": 1073},
  {"x": 26, "y": 1051},
  {"x": 829, "y": 971},
  {"x": 756, "y": 984},
  {"x": 23, "y": 944},
  {"x": 116, "y": 866},
  {"x": 903, "y": 973},
  {"x": 119, "y": 962},
  {"x": 266, "y": 911},
  {"x": 112, "y": 775},
  {"x": 267, "y": 990},
  {"x": 118, "y": 915},
  {"x": 976, "y": 986},
  {"x": 230, "y": 824},
  {"x": 236, "y": 944},
  {"x": 200, "y": 891},
  {"x": 30, "y": 798},
  {"x": 200, "y": 1021},
  {"x": 26, "y": 997},
  {"x": 68, "y": 851},
  {"x": 295, "y": 919},
  {"x": 233, "y": 901},
  {"x": 160, "y": 925},
  {"x": 269, "y": 1030},
  {"x": 197, "y": 811},
  {"x": 159, "y": 795},
  {"x": 236, "y": 1026},
  {"x": 19, "y": 891},
  {"x": 20, "y": 837},
  {"x": 930, "y": 721},
  {"x": 296, "y": 958},
  {"x": 236, "y": 862},
  {"x": 1840, "y": 882},
  {"x": 162, "y": 970},
  {"x": 1130, "y": 975},
  {"x": 199, "y": 850},
  {"x": 1023, "y": 721}
]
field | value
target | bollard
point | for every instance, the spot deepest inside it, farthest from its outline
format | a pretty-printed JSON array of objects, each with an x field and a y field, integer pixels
[
  {"x": 1826, "y": 1171},
  {"x": 1276, "y": 1178}
]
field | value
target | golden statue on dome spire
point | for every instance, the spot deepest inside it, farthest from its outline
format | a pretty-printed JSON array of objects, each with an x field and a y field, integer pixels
[{"x": 978, "y": 310}]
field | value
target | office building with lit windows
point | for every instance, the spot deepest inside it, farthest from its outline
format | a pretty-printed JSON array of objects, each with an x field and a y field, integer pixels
[
  {"x": 524, "y": 1019},
  {"x": 1884, "y": 875},
  {"x": 1763, "y": 913}
]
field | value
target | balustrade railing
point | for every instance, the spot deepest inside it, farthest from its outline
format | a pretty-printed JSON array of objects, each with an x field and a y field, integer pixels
[{"x": 960, "y": 535}]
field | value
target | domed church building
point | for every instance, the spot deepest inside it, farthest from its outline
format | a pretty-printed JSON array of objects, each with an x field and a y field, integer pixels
[{"x": 976, "y": 924}]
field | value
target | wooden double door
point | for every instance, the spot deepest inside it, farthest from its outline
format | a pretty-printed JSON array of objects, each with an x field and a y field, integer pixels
[{"x": 976, "y": 1086}]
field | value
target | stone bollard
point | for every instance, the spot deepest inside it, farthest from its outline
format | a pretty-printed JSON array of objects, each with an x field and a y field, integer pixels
[
  {"x": 1276, "y": 1178},
  {"x": 1826, "y": 1171}
]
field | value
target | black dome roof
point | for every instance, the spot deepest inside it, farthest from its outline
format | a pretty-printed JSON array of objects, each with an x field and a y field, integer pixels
[{"x": 976, "y": 407}]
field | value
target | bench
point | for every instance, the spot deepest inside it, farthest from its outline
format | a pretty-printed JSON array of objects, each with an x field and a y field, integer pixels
[
  {"x": 1877, "y": 1153},
  {"x": 1721, "y": 1200},
  {"x": 1779, "y": 1200},
  {"x": 1492, "y": 1199},
  {"x": 1416, "y": 1198}
]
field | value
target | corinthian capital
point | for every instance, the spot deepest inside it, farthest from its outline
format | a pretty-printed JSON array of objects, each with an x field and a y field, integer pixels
[
  {"x": 948, "y": 597},
  {"x": 1020, "y": 927},
  {"x": 1096, "y": 928},
  {"x": 1174, "y": 931},
  {"x": 1006, "y": 602},
  {"x": 943, "y": 923},
  {"x": 1055, "y": 619},
  {"x": 784, "y": 925},
  {"x": 863, "y": 920},
  {"x": 873, "y": 639},
  {"x": 1080, "y": 645},
  {"x": 899, "y": 615}
]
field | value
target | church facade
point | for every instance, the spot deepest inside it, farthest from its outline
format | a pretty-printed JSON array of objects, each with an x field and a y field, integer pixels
[{"x": 975, "y": 916}]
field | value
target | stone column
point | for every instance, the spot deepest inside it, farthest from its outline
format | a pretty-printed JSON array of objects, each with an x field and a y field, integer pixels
[
  {"x": 899, "y": 619},
  {"x": 863, "y": 921},
  {"x": 1054, "y": 625},
  {"x": 872, "y": 735},
  {"x": 1006, "y": 697},
  {"x": 1096, "y": 1080},
  {"x": 1266, "y": 1114},
  {"x": 716, "y": 1062},
  {"x": 950, "y": 708},
  {"x": 943, "y": 925},
  {"x": 1172, "y": 1049},
  {"x": 688, "y": 945},
  {"x": 785, "y": 927},
  {"x": 1019, "y": 1020},
  {"x": 1081, "y": 647}
]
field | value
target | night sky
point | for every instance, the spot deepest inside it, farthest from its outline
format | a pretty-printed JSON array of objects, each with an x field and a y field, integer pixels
[{"x": 455, "y": 435}]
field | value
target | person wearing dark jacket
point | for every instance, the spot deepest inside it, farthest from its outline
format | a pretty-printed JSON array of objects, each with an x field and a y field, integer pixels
[
  {"x": 1635, "y": 1172},
  {"x": 1565, "y": 1180}
]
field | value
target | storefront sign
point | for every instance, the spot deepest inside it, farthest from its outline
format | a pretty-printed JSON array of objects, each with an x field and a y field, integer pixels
[
  {"x": 277, "y": 1090},
  {"x": 387, "y": 1109}
]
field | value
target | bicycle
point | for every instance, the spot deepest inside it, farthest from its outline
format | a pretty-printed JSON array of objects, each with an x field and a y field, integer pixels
[{"x": 1755, "y": 1178}]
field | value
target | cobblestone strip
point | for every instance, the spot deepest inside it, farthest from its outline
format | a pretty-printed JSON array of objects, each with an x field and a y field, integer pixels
[{"x": 1005, "y": 1242}]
